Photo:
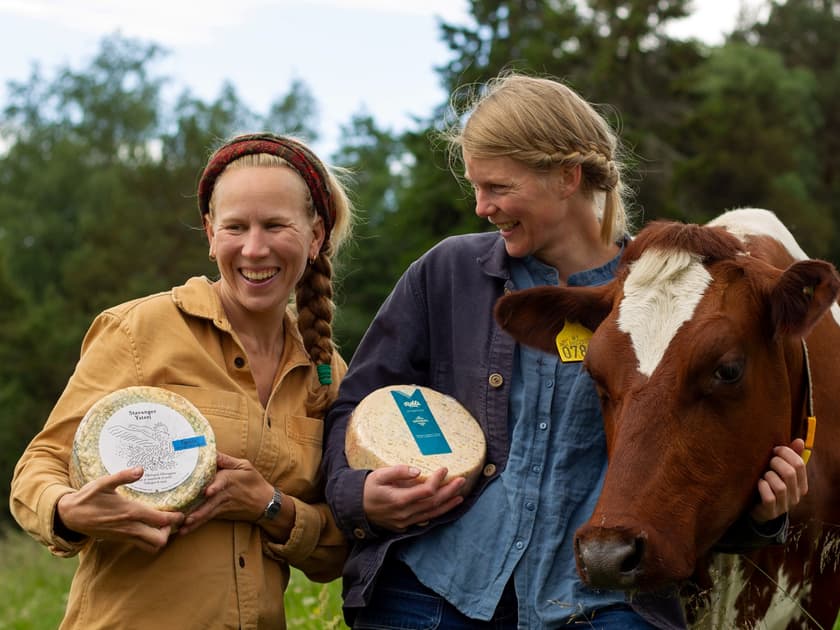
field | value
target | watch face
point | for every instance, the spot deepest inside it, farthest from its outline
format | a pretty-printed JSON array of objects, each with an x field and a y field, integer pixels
[{"x": 273, "y": 508}]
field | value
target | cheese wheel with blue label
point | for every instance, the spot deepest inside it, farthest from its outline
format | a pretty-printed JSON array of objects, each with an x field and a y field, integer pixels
[
  {"x": 156, "y": 429},
  {"x": 417, "y": 426}
]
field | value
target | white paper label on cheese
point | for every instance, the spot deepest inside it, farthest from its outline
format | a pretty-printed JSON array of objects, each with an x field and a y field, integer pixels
[{"x": 155, "y": 437}]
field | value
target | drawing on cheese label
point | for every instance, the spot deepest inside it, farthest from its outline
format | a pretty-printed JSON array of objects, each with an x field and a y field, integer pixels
[{"x": 155, "y": 437}]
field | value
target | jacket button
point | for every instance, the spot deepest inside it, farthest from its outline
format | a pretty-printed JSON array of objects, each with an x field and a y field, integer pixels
[
  {"x": 359, "y": 533},
  {"x": 239, "y": 362},
  {"x": 496, "y": 380},
  {"x": 489, "y": 470}
]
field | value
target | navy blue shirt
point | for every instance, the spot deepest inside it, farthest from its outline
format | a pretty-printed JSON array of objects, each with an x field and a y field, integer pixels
[{"x": 524, "y": 522}]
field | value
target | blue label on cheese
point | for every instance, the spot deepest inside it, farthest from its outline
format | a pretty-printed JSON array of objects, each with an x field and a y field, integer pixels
[
  {"x": 191, "y": 442},
  {"x": 422, "y": 424}
]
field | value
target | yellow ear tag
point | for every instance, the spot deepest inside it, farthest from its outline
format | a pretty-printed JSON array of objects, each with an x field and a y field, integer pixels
[{"x": 573, "y": 342}]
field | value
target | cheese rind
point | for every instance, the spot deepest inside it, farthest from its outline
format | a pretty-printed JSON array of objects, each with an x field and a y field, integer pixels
[
  {"x": 153, "y": 428},
  {"x": 381, "y": 434}
]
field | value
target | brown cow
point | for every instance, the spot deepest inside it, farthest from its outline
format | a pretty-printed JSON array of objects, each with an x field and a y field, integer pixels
[{"x": 699, "y": 360}]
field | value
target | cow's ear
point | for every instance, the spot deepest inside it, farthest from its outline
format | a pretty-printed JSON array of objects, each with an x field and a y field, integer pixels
[
  {"x": 535, "y": 316},
  {"x": 803, "y": 293}
]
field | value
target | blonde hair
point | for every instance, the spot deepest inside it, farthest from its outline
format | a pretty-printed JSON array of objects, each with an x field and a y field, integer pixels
[
  {"x": 543, "y": 124},
  {"x": 314, "y": 292}
]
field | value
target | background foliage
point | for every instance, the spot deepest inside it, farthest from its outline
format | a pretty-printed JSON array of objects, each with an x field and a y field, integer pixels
[{"x": 98, "y": 171}]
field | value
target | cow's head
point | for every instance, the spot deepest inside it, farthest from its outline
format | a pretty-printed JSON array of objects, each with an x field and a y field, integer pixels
[{"x": 696, "y": 356}]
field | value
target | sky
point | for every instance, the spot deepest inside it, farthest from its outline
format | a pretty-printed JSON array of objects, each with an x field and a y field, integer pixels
[{"x": 372, "y": 56}]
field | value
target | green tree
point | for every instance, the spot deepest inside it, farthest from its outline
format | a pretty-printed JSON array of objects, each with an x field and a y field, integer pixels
[
  {"x": 804, "y": 33},
  {"x": 295, "y": 114},
  {"x": 749, "y": 140},
  {"x": 367, "y": 270}
]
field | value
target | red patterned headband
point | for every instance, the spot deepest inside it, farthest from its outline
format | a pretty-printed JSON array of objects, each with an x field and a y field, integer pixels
[{"x": 307, "y": 165}]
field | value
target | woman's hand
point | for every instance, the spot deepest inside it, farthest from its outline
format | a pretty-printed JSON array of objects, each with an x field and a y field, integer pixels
[
  {"x": 783, "y": 485},
  {"x": 97, "y": 511},
  {"x": 395, "y": 497},
  {"x": 238, "y": 492}
]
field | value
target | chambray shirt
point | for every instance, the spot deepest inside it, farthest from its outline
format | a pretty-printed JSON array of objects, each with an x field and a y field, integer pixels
[{"x": 523, "y": 524}]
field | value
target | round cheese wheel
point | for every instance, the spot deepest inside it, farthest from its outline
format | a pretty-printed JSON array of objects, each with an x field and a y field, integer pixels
[
  {"x": 153, "y": 428},
  {"x": 418, "y": 426}
]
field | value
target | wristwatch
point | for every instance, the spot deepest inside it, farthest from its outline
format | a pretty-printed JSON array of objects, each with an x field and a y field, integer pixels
[{"x": 273, "y": 508}]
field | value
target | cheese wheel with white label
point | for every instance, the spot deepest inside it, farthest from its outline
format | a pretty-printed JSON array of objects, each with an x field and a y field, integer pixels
[
  {"x": 418, "y": 426},
  {"x": 153, "y": 428}
]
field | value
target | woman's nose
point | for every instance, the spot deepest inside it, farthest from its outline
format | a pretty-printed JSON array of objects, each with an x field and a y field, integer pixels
[
  {"x": 255, "y": 245},
  {"x": 483, "y": 207}
]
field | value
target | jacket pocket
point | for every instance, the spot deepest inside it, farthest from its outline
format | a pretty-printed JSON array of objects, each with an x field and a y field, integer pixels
[{"x": 227, "y": 413}]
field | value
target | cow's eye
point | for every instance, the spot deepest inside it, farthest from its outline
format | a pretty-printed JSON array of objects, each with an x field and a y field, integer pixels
[{"x": 730, "y": 372}]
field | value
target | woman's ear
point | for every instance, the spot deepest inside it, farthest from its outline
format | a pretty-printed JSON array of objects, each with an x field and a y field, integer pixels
[
  {"x": 318, "y": 234},
  {"x": 208, "y": 227},
  {"x": 569, "y": 180},
  {"x": 210, "y": 232}
]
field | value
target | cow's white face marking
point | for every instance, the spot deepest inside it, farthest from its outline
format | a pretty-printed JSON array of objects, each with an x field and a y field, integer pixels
[{"x": 661, "y": 293}]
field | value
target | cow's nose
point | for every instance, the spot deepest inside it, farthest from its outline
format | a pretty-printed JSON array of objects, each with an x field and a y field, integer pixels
[{"x": 612, "y": 562}]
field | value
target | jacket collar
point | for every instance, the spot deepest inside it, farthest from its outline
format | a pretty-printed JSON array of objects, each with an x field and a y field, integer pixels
[
  {"x": 495, "y": 260},
  {"x": 198, "y": 299}
]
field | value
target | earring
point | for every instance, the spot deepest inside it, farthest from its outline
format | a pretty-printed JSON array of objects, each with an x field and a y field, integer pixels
[{"x": 312, "y": 260}]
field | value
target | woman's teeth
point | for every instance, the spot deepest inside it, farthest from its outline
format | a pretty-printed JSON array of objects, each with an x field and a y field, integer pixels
[{"x": 256, "y": 276}]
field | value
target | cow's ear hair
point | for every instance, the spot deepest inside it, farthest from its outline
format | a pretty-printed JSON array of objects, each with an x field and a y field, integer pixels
[
  {"x": 535, "y": 316},
  {"x": 803, "y": 293}
]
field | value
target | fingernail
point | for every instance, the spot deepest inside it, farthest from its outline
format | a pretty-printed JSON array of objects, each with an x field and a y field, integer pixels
[{"x": 414, "y": 471}]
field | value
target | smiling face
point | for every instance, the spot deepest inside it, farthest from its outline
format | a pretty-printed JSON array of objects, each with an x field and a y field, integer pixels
[
  {"x": 263, "y": 232},
  {"x": 529, "y": 208}
]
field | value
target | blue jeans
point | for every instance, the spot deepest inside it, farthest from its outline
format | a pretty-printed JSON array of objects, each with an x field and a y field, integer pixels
[
  {"x": 401, "y": 602},
  {"x": 618, "y": 617}
]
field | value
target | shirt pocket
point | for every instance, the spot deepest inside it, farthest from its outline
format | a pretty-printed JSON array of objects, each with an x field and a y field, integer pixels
[
  {"x": 227, "y": 413},
  {"x": 305, "y": 438}
]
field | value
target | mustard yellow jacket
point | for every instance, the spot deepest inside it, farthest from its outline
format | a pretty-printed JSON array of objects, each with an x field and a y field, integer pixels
[{"x": 226, "y": 574}]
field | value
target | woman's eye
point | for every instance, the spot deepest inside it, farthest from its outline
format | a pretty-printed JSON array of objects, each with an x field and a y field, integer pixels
[{"x": 729, "y": 372}]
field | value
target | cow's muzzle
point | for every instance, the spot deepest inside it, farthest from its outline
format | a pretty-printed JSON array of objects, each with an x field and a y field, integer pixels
[{"x": 610, "y": 559}]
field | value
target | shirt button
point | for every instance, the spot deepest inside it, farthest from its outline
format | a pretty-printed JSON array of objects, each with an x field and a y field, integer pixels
[
  {"x": 543, "y": 425},
  {"x": 496, "y": 380},
  {"x": 489, "y": 470},
  {"x": 530, "y": 506},
  {"x": 239, "y": 362},
  {"x": 536, "y": 468},
  {"x": 520, "y": 544},
  {"x": 359, "y": 533},
  {"x": 549, "y": 384}
]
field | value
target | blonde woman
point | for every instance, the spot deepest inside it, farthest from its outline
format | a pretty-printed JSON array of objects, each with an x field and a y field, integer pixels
[{"x": 261, "y": 370}]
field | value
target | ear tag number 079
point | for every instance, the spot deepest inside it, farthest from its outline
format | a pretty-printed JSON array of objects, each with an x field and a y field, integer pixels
[{"x": 573, "y": 342}]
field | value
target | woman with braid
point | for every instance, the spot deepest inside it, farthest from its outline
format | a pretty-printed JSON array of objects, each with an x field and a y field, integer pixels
[
  {"x": 544, "y": 168},
  {"x": 260, "y": 370}
]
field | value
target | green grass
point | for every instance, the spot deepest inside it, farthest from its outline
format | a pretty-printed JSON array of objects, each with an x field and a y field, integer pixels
[{"x": 34, "y": 585}]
